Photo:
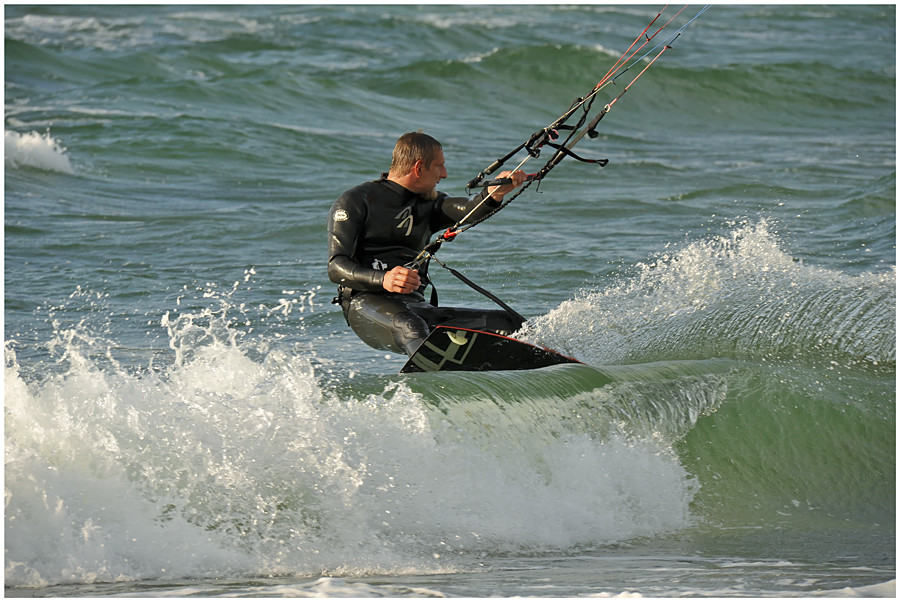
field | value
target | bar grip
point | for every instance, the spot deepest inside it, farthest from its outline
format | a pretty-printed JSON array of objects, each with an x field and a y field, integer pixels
[{"x": 502, "y": 181}]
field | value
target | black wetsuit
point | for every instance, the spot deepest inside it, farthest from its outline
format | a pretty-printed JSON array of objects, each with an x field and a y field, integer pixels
[{"x": 377, "y": 226}]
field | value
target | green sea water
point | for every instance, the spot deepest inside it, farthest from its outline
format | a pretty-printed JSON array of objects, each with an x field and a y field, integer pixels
[{"x": 187, "y": 414}]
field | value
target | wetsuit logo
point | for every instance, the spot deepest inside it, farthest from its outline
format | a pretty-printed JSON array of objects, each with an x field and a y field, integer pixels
[
  {"x": 341, "y": 216},
  {"x": 406, "y": 220}
]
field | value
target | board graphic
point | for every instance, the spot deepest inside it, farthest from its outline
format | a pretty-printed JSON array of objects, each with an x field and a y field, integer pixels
[{"x": 459, "y": 349}]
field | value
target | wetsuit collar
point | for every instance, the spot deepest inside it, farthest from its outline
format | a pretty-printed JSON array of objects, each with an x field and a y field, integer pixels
[{"x": 398, "y": 188}]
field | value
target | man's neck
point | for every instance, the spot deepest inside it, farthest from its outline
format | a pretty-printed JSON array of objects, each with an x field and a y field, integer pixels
[
  {"x": 407, "y": 181},
  {"x": 410, "y": 183}
]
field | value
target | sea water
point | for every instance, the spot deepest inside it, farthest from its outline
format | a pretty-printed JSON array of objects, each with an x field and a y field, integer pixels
[{"x": 187, "y": 414}]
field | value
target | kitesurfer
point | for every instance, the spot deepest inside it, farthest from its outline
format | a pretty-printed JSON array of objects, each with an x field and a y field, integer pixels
[{"x": 376, "y": 229}]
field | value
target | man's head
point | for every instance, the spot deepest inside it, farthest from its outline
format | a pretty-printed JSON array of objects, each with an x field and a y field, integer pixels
[{"x": 418, "y": 163}]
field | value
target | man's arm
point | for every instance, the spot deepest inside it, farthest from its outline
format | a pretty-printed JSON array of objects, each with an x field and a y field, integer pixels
[
  {"x": 345, "y": 227},
  {"x": 455, "y": 209}
]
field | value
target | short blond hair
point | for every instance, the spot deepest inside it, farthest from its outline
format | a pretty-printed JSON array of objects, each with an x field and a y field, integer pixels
[{"x": 412, "y": 147}]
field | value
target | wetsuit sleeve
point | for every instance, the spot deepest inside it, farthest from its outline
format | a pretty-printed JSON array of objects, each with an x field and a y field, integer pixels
[
  {"x": 452, "y": 209},
  {"x": 346, "y": 223}
]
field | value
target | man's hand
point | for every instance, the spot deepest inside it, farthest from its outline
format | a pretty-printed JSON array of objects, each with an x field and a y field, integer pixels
[
  {"x": 517, "y": 178},
  {"x": 401, "y": 280}
]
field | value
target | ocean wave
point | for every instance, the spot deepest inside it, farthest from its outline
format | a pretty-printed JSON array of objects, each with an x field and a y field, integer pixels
[
  {"x": 242, "y": 455},
  {"x": 237, "y": 456}
]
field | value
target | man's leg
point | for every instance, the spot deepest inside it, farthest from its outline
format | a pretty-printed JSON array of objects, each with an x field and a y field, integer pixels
[{"x": 386, "y": 321}]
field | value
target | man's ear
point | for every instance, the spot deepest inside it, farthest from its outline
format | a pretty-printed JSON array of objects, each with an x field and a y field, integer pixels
[{"x": 418, "y": 168}]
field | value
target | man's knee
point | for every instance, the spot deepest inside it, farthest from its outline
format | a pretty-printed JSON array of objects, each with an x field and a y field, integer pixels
[
  {"x": 409, "y": 331},
  {"x": 385, "y": 322}
]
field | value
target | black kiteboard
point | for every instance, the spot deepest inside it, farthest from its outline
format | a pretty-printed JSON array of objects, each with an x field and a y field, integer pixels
[{"x": 448, "y": 348}]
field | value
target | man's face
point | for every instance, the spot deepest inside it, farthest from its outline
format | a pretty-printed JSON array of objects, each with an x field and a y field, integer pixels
[{"x": 432, "y": 175}]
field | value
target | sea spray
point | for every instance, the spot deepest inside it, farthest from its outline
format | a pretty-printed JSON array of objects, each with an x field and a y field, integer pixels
[
  {"x": 73, "y": 514},
  {"x": 39, "y": 151},
  {"x": 736, "y": 295}
]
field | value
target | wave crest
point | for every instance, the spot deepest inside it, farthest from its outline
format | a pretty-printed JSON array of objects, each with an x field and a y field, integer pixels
[
  {"x": 40, "y": 151},
  {"x": 737, "y": 295}
]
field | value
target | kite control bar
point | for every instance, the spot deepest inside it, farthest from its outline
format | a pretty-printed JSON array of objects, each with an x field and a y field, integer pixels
[{"x": 504, "y": 181}]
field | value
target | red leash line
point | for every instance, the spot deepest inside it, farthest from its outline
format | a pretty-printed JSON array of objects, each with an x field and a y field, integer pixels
[{"x": 625, "y": 57}]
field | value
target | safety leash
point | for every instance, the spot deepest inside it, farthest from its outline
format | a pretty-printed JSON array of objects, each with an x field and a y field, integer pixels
[{"x": 481, "y": 290}]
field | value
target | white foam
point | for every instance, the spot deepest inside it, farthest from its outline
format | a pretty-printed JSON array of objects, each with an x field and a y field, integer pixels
[
  {"x": 39, "y": 151},
  {"x": 888, "y": 589},
  {"x": 234, "y": 459}
]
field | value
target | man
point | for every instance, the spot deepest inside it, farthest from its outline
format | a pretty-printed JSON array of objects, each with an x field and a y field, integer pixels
[{"x": 376, "y": 229}]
